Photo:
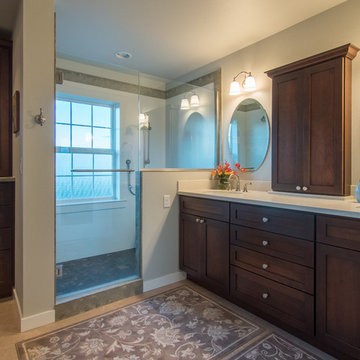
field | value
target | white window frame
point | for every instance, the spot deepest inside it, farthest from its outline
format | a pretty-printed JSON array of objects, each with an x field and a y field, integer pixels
[{"x": 78, "y": 150}]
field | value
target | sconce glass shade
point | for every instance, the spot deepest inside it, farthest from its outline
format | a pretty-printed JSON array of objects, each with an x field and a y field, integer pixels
[
  {"x": 249, "y": 83},
  {"x": 185, "y": 104},
  {"x": 194, "y": 101},
  {"x": 235, "y": 88},
  {"x": 144, "y": 121}
]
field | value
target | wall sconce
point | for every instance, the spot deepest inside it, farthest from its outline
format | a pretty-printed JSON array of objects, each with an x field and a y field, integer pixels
[
  {"x": 144, "y": 121},
  {"x": 194, "y": 102},
  {"x": 248, "y": 83},
  {"x": 184, "y": 104},
  {"x": 145, "y": 126}
]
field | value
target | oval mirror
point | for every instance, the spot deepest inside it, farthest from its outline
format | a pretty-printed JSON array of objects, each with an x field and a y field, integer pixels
[{"x": 249, "y": 134}]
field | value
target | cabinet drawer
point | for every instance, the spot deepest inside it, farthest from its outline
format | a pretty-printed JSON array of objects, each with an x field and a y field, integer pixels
[
  {"x": 338, "y": 231},
  {"x": 5, "y": 239},
  {"x": 285, "y": 222},
  {"x": 283, "y": 247},
  {"x": 275, "y": 301},
  {"x": 5, "y": 216},
  {"x": 213, "y": 209},
  {"x": 6, "y": 193},
  {"x": 287, "y": 273},
  {"x": 5, "y": 273}
]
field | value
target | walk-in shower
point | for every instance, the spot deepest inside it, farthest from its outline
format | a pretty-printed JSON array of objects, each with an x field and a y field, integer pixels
[{"x": 97, "y": 184}]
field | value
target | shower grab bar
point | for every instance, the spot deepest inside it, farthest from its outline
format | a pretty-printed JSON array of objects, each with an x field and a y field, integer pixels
[{"x": 104, "y": 170}]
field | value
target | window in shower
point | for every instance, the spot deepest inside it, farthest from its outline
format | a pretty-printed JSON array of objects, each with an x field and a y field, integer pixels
[{"x": 85, "y": 140}]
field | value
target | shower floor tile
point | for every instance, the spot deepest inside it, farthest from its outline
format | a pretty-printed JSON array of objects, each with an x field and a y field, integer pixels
[{"x": 88, "y": 273}]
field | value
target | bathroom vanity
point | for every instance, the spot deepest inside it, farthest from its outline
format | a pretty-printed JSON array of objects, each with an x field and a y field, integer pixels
[{"x": 293, "y": 261}]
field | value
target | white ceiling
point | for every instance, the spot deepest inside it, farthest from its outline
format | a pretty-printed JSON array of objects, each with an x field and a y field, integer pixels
[{"x": 169, "y": 38}]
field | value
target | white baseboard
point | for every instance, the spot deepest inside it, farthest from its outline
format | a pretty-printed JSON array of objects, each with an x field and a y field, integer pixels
[
  {"x": 163, "y": 281},
  {"x": 33, "y": 321}
]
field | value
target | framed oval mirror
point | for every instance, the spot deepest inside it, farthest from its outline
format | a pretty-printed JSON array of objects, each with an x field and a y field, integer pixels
[{"x": 249, "y": 134}]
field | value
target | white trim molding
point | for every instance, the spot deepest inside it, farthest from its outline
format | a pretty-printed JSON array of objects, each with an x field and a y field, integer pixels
[
  {"x": 163, "y": 281},
  {"x": 33, "y": 321}
]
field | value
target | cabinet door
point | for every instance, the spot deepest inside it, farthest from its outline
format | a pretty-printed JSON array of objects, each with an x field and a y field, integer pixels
[
  {"x": 324, "y": 128},
  {"x": 287, "y": 131},
  {"x": 5, "y": 111},
  {"x": 191, "y": 246},
  {"x": 216, "y": 255},
  {"x": 338, "y": 299}
]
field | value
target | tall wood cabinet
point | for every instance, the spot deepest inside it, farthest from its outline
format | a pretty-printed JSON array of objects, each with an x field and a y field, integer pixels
[
  {"x": 5, "y": 108},
  {"x": 338, "y": 285},
  {"x": 311, "y": 123}
]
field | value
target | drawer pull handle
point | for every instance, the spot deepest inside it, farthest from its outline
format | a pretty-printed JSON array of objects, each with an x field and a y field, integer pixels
[
  {"x": 202, "y": 221},
  {"x": 265, "y": 266},
  {"x": 265, "y": 243},
  {"x": 298, "y": 188},
  {"x": 265, "y": 219},
  {"x": 265, "y": 295}
]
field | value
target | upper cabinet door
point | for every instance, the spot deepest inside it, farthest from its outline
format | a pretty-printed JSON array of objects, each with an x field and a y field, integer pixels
[
  {"x": 288, "y": 104},
  {"x": 5, "y": 109},
  {"x": 311, "y": 148},
  {"x": 324, "y": 128}
]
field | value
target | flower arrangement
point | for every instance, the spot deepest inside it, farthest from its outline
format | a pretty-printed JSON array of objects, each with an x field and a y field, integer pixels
[{"x": 222, "y": 173}]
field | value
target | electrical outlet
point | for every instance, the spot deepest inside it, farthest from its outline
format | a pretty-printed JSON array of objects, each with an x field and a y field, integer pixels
[
  {"x": 59, "y": 271},
  {"x": 166, "y": 201}
]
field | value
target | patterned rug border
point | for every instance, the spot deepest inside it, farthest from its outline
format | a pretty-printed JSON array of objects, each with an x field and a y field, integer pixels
[
  {"x": 22, "y": 355},
  {"x": 239, "y": 353}
]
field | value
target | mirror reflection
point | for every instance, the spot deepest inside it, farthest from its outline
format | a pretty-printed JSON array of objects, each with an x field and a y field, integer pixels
[{"x": 249, "y": 133}]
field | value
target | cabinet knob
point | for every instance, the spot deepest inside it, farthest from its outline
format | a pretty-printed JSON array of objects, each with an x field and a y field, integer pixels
[
  {"x": 265, "y": 266},
  {"x": 298, "y": 188},
  {"x": 265, "y": 219},
  {"x": 265, "y": 243},
  {"x": 305, "y": 188},
  {"x": 197, "y": 220},
  {"x": 202, "y": 221},
  {"x": 265, "y": 295}
]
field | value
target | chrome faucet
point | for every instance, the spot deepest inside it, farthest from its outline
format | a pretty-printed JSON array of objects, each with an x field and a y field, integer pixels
[
  {"x": 237, "y": 188},
  {"x": 245, "y": 189}
]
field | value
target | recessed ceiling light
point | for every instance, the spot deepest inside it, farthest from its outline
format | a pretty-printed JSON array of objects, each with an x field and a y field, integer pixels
[{"x": 123, "y": 55}]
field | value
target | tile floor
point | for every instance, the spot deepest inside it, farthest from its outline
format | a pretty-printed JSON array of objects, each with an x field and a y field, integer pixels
[
  {"x": 9, "y": 332},
  {"x": 91, "y": 272}
]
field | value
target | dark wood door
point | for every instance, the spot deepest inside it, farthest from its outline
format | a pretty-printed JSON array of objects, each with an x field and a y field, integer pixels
[
  {"x": 5, "y": 108},
  {"x": 287, "y": 132},
  {"x": 216, "y": 255},
  {"x": 191, "y": 246},
  {"x": 338, "y": 299},
  {"x": 323, "y": 128}
]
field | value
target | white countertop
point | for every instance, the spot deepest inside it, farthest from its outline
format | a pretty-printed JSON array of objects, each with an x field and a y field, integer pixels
[{"x": 329, "y": 205}]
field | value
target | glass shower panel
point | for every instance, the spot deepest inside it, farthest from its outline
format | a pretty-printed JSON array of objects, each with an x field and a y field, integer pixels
[
  {"x": 177, "y": 136},
  {"x": 97, "y": 192}
]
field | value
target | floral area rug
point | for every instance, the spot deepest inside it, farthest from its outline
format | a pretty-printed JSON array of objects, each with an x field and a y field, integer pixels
[
  {"x": 274, "y": 347},
  {"x": 177, "y": 324}
]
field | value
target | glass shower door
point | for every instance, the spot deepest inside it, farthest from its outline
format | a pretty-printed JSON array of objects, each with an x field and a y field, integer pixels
[{"x": 97, "y": 194}]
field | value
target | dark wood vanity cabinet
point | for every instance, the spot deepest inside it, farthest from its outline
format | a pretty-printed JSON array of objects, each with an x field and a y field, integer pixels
[
  {"x": 5, "y": 108},
  {"x": 272, "y": 264},
  {"x": 268, "y": 266},
  {"x": 338, "y": 285},
  {"x": 311, "y": 120},
  {"x": 204, "y": 242},
  {"x": 6, "y": 238}
]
